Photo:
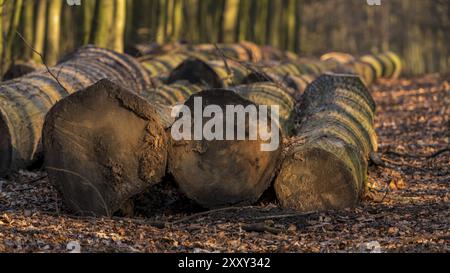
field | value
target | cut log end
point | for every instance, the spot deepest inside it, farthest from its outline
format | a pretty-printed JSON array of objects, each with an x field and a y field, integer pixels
[
  {"x": 195, "y": 71},
  {"x": 102, "y": 146},
  {"x": 314, "y": 179},
  {"x": 20, "y": 69},
  {"x": 221, "y": 173}
]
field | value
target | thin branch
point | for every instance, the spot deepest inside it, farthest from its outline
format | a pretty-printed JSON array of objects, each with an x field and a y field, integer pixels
[
  {"x": 43, "y": 61},
  {"x": 433, "y": 155},
  {"x": 207, "y": 213}
]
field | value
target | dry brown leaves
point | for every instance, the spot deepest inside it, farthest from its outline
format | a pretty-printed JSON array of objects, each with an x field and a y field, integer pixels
[{"x": 406, "y": 209}]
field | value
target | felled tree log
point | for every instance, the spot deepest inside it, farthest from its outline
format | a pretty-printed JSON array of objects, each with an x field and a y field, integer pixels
[
  {"x": 370, "y": 68},
  {"x": 325, "y": 166},
  {"x": 142, "y": 50},
  {"x": 217, "y": 173},
  {"x": 20, "y": 69},
  {"x": 243, "y": 51},
  {"x": 295, "y": 84},
  {"x": 163, "y": 64},
  {"x": 24, "y": 102},
  {"x": 214, "y": 73},
  {"x": 271, "y": 94},
  {"x": 105, "y": 144}
]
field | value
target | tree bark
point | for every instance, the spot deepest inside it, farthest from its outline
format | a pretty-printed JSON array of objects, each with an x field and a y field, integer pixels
[{"x": 325, "y": 166}]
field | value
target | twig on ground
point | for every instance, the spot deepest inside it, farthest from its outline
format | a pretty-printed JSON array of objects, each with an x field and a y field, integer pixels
[
  {"x": 282, "y": 216},
  {"x": 208, "y": 213},
  {"x": 433, "y": 155}
]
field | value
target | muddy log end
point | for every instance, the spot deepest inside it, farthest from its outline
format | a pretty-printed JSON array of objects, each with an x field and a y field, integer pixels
[
  {"x": 103, "y": 145},
  {"x": 313, "y": 178},
  {"x": 220, "y": 173}
]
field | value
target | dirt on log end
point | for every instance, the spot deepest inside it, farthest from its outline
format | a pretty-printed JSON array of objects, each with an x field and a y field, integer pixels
[
  {"x": 119, "y": 148},
  {"x": 326, "y": 164},
  {"x": 217, "y": 173}
]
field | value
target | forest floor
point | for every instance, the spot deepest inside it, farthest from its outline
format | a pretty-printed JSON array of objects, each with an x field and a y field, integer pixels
[{"x": 406, "y": 210}]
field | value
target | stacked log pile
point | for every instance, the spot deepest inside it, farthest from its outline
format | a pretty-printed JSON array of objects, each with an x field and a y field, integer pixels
[{"x": 114, "y": 139}]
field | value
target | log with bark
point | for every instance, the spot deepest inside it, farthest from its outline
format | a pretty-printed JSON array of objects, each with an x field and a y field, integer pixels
[
  {"x": 370, "y": 68},
  {"x": 325, "y": 165},
  {"x": 243, "y": 51},
  {"x": 162, "y": 65},
  {"x": 105, "y": 144},
  {"x": 219, "y": 172},
  {"x": 25, "y": 101}
]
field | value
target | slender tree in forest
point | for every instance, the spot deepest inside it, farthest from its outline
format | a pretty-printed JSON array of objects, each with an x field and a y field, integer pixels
[
  {"x": 230, "y": 20},
  {"x": 39, "y": 30},
  {"x": 244, "y": 11},
  {"x": 161, "y": 32},
  {"x": 177, "y": 19},
  {"x": 88, "y": 14},
  {"x": 272, "y": 23},
  {"x": 298, "y": 25},
  {"x": 28, "y": 27},
  {"x": 52, "y": 44},
  {"x": 2, "y": 3},
  {"x": 102, "y": 23},
  {"x": 14, "y": 24},
  {"x": 169, "y": 18},
  {"x": 119, "y": 24}
]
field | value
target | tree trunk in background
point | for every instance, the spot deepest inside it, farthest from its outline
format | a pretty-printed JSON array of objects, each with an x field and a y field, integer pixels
[
  {"x": 53, "y": 31},
  {"x": 260, "y": 35},
  {"x": 298, "y": 25},
  {"x": 28, "y": 27},
  {"x": 243, "y": 19},
  {"x": 169, "y": 19},
  {"x": 273, "y": 24},
  {"x": 2, "y": 3},
  {"x": 39, "y": 33},
  {"x": 102, "y": 23},
  {"x": 119, "y": 25},
  {"x": 161, "y": 32},
  {"x": 14, "y": 24},
  {"x": 88, "y": 15},
  {"x": 291, "y": 25},
  {"x": 177, "y": 19}
]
